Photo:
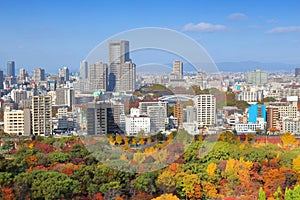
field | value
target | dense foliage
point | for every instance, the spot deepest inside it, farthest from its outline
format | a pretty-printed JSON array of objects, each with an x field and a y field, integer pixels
[{"x": 235, "y": 168}]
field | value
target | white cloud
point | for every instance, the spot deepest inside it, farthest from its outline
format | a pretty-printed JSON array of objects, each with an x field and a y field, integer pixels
[
  {"x": 237, "y": 17},
  {"x": 204, "y": 27},
  {"x": 285, "y": 29}
]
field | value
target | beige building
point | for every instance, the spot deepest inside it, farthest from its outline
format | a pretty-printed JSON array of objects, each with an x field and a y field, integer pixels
[
  {"x": 17, "y": 122},
  {"x": 177, "y": 72},
  {"x": 41, "y": 115}
]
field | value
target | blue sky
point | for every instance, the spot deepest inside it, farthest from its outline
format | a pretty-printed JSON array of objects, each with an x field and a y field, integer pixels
[{"x": 52, "y": 34}]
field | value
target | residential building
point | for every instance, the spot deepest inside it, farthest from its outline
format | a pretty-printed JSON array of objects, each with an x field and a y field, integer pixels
[
  {"x": 41, "y": 114},
  {"x": 206, "y": 110},
  {"x": 272, "y": 117},
  {"x": 178, "y": 112},
  {"x": 177, "y": 72},
  {"x": 14, "y": 122}
]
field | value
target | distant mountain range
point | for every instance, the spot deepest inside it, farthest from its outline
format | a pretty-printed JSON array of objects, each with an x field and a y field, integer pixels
[{"x": 243, "y": 66}]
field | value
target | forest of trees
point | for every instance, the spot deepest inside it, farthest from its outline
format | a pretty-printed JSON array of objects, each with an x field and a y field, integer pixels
[{"x": 235, "y": 168}]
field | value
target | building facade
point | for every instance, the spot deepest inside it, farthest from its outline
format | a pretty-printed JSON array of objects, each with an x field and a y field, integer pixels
[
  {"x": 41, "y": 115},
  {"x": 206, "y": 110}
]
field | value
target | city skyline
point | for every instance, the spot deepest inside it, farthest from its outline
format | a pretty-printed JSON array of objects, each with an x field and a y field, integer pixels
[{"x": 228, "y": 31}]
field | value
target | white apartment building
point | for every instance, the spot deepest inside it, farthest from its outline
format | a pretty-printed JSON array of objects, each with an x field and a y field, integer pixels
[
  {"x": 206, "y": 109},
  {"x": 134, "y": 123},
  {"x": 249, "y": 96},
  {"x": 14, "y": 122},
  {"x": 250, "y": 127},
  {"x": 292, "y": 126}
]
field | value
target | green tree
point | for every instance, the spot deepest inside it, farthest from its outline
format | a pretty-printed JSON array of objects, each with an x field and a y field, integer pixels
[
  {"x": 146, "y": 182},
  {"x": 58, "y": 157},
  {"x": 45, "y": 185},
  {"x": 292, "y": 194},
  {"x": 262, "y": 194}
]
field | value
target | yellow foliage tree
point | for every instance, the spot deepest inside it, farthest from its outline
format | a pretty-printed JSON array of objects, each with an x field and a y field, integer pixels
[
  {"x": 211, "y": 168},
  {"x": 209, "y": 190},
  {"x": 119, "y": 139},
  {"x": 112, "y": 140},
  {"x": 288, "y": 139},
  {"x": 139, "y": 157},
  {"x": 123, "y": 157},
  {"x": 142, "y": 141},
  {"x": 166, "y": 197},
  {"x": 126, "y": 140},
  {"x": 296, "y": 163}
]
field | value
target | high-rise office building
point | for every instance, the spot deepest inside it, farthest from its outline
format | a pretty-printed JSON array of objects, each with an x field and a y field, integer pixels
[
  {"x": 206, "y": 109},
  {"x": 97, "y": 76},
  {"x": 63, "y": 74},
  {"x": 39, "y": 75},
  {"x": 177, "y": 72},
  {"x": 121, "y": 70},
  {"x": 178, "y": 112},
  {"x": 11, "y": 69},
  {"x": 41, "y": 115},
  {"x": 84, "y": 69},
  {"x": 257, "y": 77},
  {"x": 100, "y": 118},
  {"x": 23, "y": 74},
  {"x": 157, "y": 118},
  {"x": 18, "y": 94},
  {"x": 1, "y": 80},
  {"x": 65, "y": 97}
]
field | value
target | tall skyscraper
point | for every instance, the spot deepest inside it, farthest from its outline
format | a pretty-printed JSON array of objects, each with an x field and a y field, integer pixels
[
  {"x": 39, "y": 75},
  {"x": 177, "y": 72},
  {"x": 206, "y": 109},
  {"x": 257, "y": 77},
  {"x": 41, "y": 115},
  {"x": 1, "y": 80},
  {"x": 84, "y": 69},
  {"x": 121, "y": 70},
  {"x": 97, "y": 76},
  {"x": 63, "y": 74},
  {"x": 11, "y": 69}
]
